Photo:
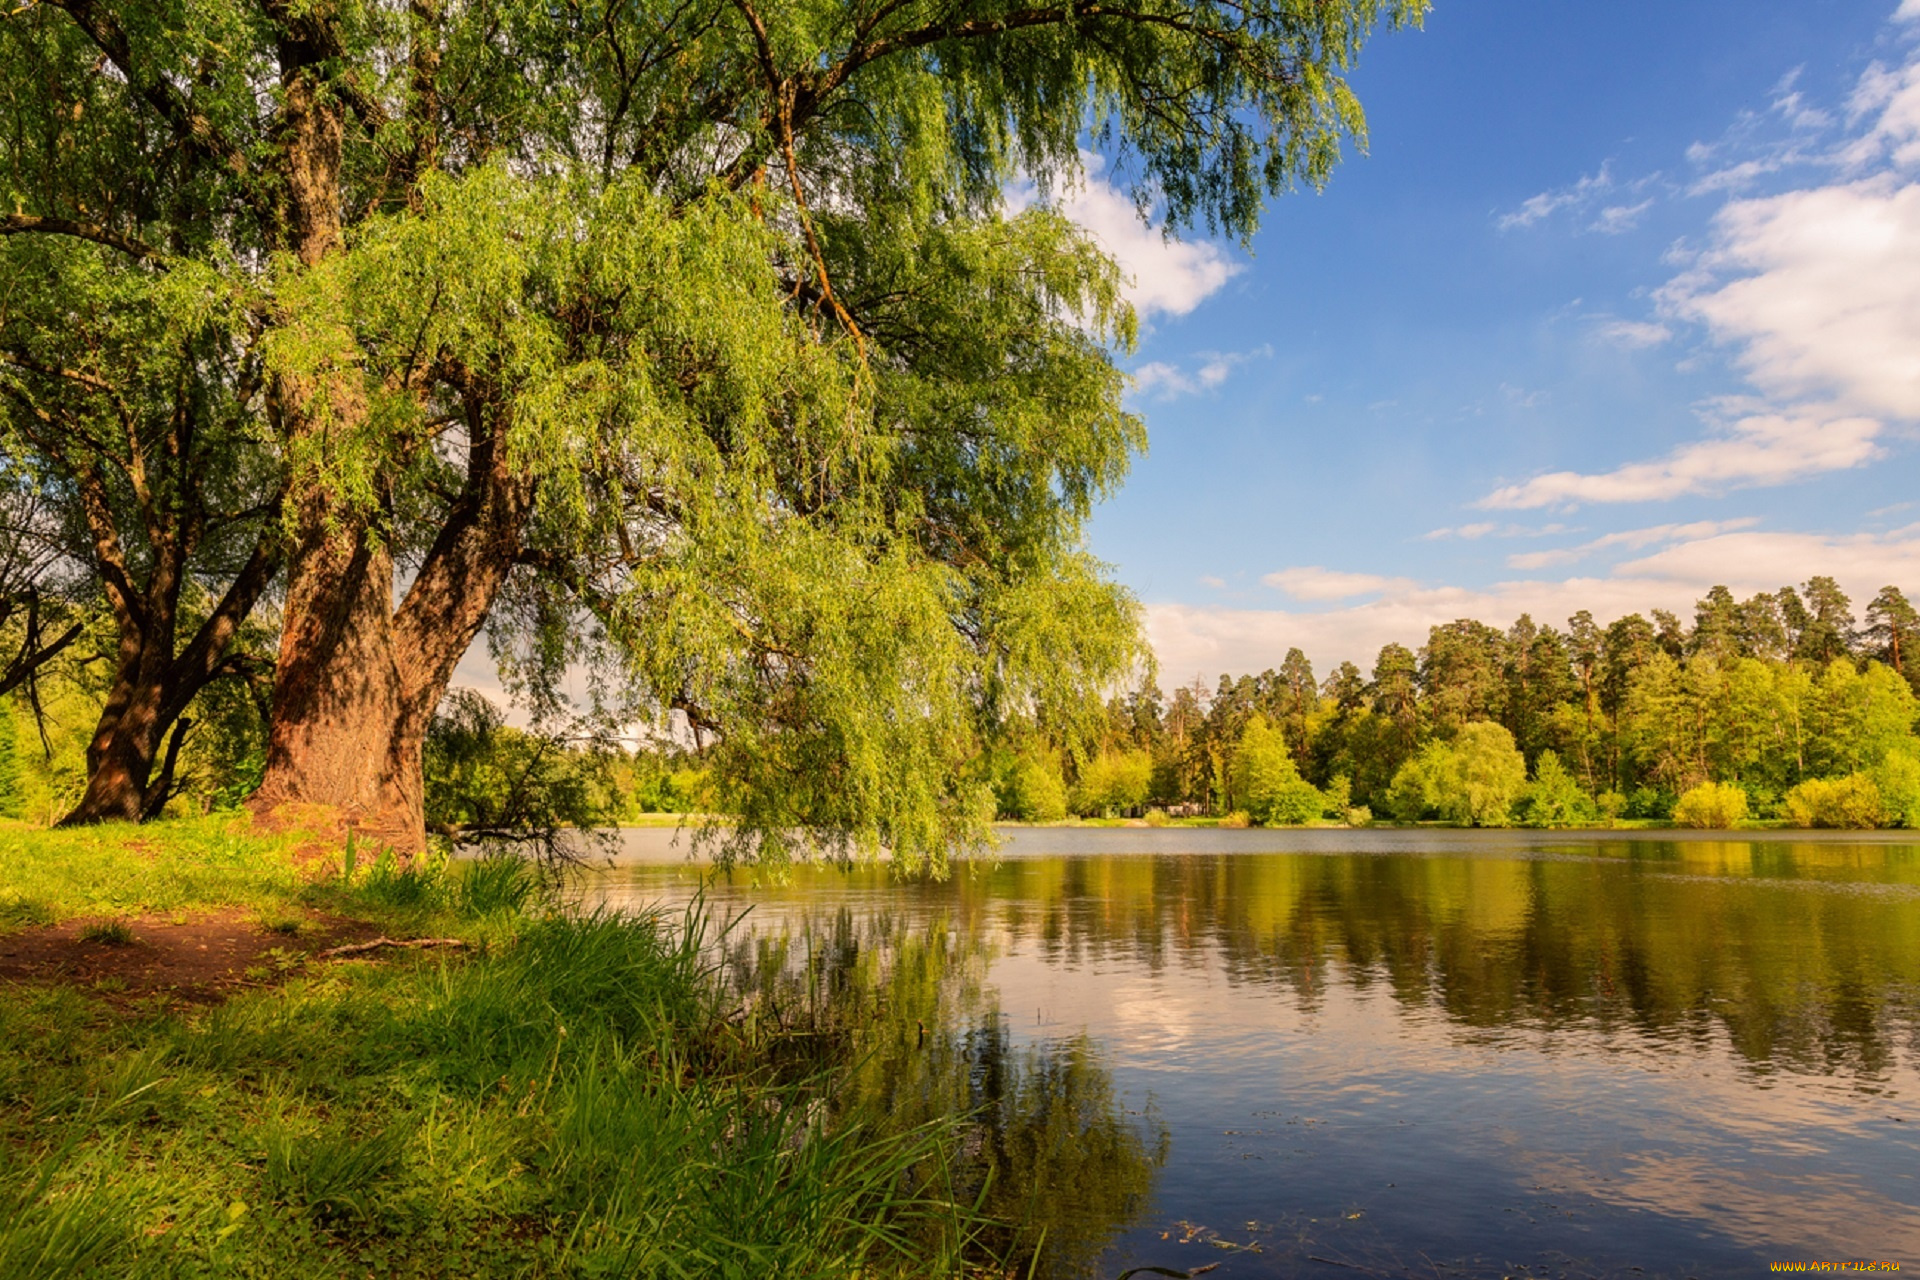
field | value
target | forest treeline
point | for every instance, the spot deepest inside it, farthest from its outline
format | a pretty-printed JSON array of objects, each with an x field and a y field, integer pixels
[{"x": 1782, "y": 706}]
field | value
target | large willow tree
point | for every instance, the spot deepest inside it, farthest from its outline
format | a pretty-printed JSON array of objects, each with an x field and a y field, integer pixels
[{"x": 686, "y": 338}]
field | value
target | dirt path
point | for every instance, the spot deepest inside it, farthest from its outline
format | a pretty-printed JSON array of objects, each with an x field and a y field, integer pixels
[{"x": 201, "y": 959}]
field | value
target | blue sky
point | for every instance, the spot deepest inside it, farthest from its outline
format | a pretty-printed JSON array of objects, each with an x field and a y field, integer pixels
[{"x": 1623, "y": 301}]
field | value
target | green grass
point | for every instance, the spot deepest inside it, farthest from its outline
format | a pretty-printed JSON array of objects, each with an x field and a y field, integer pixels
[
  {"x": 112, "y": 933},
  {"x": 567, "y": 1097},
  {"x": 199, "y": 864}
]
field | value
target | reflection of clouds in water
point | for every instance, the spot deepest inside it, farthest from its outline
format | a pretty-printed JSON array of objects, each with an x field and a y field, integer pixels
[
  {"x": 1701, "y": 1038},
  {"x": 1603, "y": 1119},
  {"x": 1792, "y": 1214},
  {"x": 1153, "y": 1024}
]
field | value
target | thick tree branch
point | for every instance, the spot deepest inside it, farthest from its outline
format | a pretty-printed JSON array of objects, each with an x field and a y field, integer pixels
[
  {"x": 33, "y": 655},
  {"x": 127, "y": 600},
  {"x": 26, "y": 223},
  {"x": 188, "y": 123},
  {"x": 206, "y": 654},
  {"x": 464, "y": 569},
  {"x": 160, "y": 790}
]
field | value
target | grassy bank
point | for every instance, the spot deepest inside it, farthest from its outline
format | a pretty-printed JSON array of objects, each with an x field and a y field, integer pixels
[{"x": 562, "y": 1095}]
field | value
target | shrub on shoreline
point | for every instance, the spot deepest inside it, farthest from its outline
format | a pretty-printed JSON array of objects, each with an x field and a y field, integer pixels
[
  {"x": 1711, "y": 805},
  {"x": 1851, "y": 803}
]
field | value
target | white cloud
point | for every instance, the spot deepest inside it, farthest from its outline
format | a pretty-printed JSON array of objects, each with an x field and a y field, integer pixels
[
  {"x": 1583, "y": 195},
  {"x": 1314, "y": 583},
  {"x": 1631, "y": 540},
  {"x": 1467, "y": 531},
  {"x": 1167, "y": 277},
  {"x": 1735, "y": 177},
  {"x": 1815, "y": 291},
  {"x": 1158, "y": 378},
  {"x": 1163, "y": 380},
  {"x": 1791, "y": 105},
  {"x": 1485, "y": 528},
  {"x": 1540, "y": 207},
  {"x": 1895, "y": 96},
  {"x": 1824, "y": 294},
  {"x": 1747, "y": 562},
  {"x": 1616, "y": 219},
  {"x": 1755, "y": 450},
  {"x": 1192, "y": 639},
  {"x": 1634, "y": 335}
]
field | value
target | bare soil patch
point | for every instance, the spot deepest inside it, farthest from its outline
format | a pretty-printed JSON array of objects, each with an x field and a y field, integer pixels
[{"x": 201, "y": 958}]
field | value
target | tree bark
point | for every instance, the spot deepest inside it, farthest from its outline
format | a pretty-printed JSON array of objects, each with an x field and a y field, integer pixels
[
  {"x": 358, "y": 680},
  {"x": 120, "y": 756},
  {"x": 153, "y": 687},
  {"x": 333, "y": 754}
]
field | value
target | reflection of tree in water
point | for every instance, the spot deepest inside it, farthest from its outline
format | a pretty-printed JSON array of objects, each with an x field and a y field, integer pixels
[
  {"x": 1793, "y": 973},
  {"x": 1045, "y": 1148}
]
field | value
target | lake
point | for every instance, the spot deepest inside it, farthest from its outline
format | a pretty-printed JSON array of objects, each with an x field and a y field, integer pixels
[{"x": 1390, "y": 1052}]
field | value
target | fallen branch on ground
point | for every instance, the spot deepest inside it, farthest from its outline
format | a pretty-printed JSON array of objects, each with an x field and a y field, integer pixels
[{"x": 361, "y": 948}]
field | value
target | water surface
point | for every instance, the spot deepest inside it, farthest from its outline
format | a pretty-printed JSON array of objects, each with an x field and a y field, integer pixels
[{"x": 1395, "y": 1052}]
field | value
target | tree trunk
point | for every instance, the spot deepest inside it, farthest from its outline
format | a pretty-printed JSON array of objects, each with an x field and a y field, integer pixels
[
  {"x": 358, "y": 680},
  {"x": 153, "y": 686},
  {"x": 120, "y": 756},
  {"x": 333, "y": 754},
  {"x": 121, "y": 751}
]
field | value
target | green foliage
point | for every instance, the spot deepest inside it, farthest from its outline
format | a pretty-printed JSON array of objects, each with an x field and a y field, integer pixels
[
  {"x": 1489, "y": 775},
  {"x": 1554, "y": 798},
  {"x": 1113, "y": 783},
  {"x": 652, "y": 780},
  {"x": 48, "y": 782},
  {"x": 1616, "y": 722},
  {"x": 1420, "y": 786},
  {"x": 1265, "y": 782},
  {"x": 1856, "y": 717},
  {"x": 1031, "y": 789},
  {"x": 489, "y": 783},
  {"x": 1338, "y": 796},
  {"x": 1715, "y": 805},
  {"x": 1473, "y": 780},
  {"x": 1849, "y": 803},
  {"x": 1649, "y": 803},
  {"x": 1897, "y": 777},
  {"x": 12, "y": 767}
]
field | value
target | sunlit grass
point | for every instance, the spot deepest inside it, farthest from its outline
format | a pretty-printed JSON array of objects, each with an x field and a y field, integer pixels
[
  {"x": 119, "y": 869},
  {"x": 565, "y": 1097}
]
